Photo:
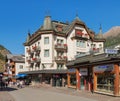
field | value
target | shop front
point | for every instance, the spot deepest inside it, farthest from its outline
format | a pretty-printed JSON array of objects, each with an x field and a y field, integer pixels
[
  {"x": 71, "y": 78},
  {"x": 84, "y": 79},
  {"x": 79, "y": 78},
  {"x": 49, "y": 77},
  {"x": 97, "y": 73},
  {"x": 106, "y": 79}
]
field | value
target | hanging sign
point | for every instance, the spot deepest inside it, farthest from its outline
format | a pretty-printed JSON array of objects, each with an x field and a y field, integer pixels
[{"x": 83, "y": 71}]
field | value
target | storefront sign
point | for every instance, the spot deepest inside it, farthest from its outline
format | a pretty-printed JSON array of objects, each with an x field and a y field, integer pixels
[
  {"x": 104, "y": 68},
  {"x": 72, "y": 70},
  {"x": 83, "y": 71},
  {"x": 111, "y": 51}
]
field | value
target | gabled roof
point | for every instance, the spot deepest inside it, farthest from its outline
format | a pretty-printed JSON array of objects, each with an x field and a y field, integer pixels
[
  {"x": 51, "y": 27},
  {"x": 15, "y": 58}
]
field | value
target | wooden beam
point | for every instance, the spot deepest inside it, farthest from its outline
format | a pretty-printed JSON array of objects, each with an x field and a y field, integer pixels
[
  {"x": 116, "y": 80},
  {"x": 77, "y": 79}
]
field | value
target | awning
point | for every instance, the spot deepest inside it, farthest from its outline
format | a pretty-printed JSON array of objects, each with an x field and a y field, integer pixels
[
  {"x": 20, "y": 75},
  {"x": 54, "y": 71}
]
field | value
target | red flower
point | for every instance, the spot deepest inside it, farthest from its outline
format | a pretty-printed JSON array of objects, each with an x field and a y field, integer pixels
[
  {"x": 34, "y": 59},
  {"x": 65, "y": 57},
  {"x": 79, "y": 33},
  {"x": 65, "y": 44}
]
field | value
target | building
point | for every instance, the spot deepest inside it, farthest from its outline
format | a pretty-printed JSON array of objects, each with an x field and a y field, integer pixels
[
  {"x": 14, "y": 64},
  {"x": 98, "y": 73},
  {"x": 53, "y": 44}
]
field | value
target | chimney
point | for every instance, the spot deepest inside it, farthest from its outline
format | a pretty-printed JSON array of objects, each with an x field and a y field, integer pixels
[{"x": 47, "y": 23}]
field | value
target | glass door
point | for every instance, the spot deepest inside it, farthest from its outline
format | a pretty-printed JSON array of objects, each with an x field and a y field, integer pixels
[{"x": 82, "y": 83}]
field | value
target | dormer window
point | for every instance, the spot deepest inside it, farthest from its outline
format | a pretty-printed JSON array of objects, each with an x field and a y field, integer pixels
[
  {"x": 78, "y": 32},
  {"x": 59, "y": 28}
]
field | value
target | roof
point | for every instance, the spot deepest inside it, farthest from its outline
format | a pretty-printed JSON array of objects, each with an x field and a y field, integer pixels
[
  {"x": 54, "y": 71},
  {"x": 16, "y": 58},
  {"x": 52, "y": 27},
  {"x": 94, "y": 59}
]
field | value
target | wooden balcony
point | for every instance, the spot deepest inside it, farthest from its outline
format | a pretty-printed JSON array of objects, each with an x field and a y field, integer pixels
[
  {"x": 61, "y": 47},
  {"x": 61, "y": 59},
  {"x": 28, "y": 60},
  {"x": 36, "y": 48},
  {"x": 38, "y": 60}
]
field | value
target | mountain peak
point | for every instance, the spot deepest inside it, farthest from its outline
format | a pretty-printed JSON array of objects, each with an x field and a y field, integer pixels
[{"x": 114, "y": 31}]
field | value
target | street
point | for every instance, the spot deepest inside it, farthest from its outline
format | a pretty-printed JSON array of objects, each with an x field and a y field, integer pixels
[
  {"x": 57, "y": 94},
  {"x": 30, "y": 94}
]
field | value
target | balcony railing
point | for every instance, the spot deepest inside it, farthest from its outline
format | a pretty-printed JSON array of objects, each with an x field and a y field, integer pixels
[
  {"x": 38, "y": 59},
  {"x": 96, "y": 50},
  {"x": 61, "y": 46},
  {"x": 36, "y": 48},
  {"x": 61, "y": 58}
]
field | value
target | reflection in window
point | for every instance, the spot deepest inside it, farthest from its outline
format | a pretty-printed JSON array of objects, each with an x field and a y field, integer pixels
[
  {"x": 105, "y": 82},
  {"x": 72, "y": 79}
]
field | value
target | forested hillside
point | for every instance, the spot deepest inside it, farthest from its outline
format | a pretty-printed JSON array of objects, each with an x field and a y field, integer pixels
[
  {"x": 112, "y": 36},
  {"x": 3, "y": 53}
]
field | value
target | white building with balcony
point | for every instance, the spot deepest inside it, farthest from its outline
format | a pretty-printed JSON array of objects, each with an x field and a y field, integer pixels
[{"x": 53, "y": 44}]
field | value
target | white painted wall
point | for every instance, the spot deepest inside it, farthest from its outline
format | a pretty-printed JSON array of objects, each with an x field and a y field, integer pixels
[
  {"x": 18, "y": 69},
  {"x": 49, "y": 62}
]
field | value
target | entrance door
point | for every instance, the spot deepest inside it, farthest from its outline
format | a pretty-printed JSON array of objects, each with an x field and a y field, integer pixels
[{"x": 83, "y": 83}]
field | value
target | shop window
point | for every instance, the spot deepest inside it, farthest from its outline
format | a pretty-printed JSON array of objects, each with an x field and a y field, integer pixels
[
  {"x": 73, "y": 80},
  {"x": 105, "y": 82}
]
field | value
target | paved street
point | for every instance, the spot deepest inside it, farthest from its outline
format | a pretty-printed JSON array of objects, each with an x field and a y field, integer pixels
[
  {"x": 52, "y": 94},
  {"x": 30, "y": 94}
]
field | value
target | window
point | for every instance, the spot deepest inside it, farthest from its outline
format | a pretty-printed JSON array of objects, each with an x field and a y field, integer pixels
[
  {"x": 21, "y": 67},
  {"x": 59, "y": 66},
  {"x": 81, "y": 43},
  {"x": 105, "y": 82},
  {"x": 46, "y": 40},
  {"x": 60, "y": 41},
  {"x": 100, "y": 45},
  {"x": 46, "y": 53}
]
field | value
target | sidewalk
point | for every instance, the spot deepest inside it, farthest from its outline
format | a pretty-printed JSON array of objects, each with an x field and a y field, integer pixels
[{"x": 5, "y": 96}]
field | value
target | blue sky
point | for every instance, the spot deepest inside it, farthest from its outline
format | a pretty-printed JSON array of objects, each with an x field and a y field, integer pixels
[{"x": 19, "y": 16}]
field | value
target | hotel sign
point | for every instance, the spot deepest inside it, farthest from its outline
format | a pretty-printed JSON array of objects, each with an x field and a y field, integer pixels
[
  {"x": 103, "y": 68},
  {"x": 111, "y": 51}
]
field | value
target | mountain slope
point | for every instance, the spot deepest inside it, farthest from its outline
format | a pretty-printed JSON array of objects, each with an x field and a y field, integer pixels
[
  {"x": 3, "y": 53},
  {"x": 112, "y": 37},
  {"x": 114, "y": 31}
]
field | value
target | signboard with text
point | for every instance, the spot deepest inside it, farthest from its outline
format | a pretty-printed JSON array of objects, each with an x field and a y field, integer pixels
[
  {"x": 104, "y": 68},
  {"x": 111, "y": 51},
  {"x": 83, "y": 71}
]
